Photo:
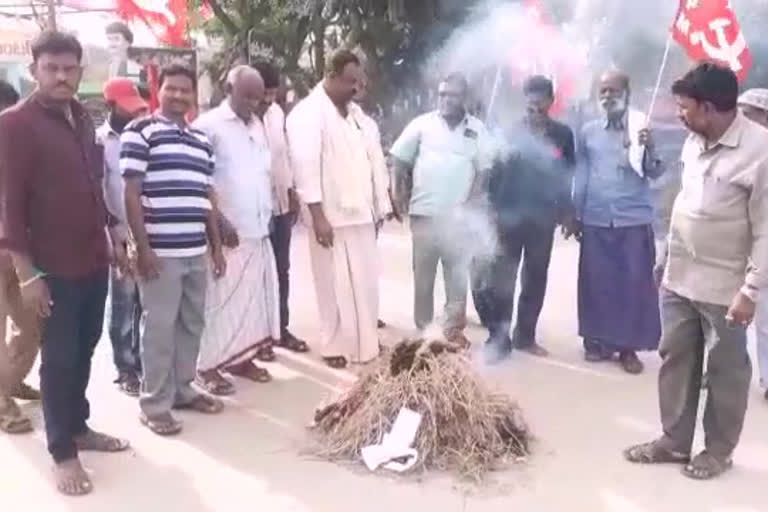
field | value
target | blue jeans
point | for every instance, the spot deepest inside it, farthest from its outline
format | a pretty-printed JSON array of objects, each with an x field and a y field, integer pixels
[
  {"x": 69, "y": 338},
  {"x": 125, "y": 325}
]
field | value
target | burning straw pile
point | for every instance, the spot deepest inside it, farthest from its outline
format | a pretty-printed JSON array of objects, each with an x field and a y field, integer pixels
[{"x": 465, "y": 428}]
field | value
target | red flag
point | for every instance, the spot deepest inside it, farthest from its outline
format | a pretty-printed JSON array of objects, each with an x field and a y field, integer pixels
[
  {"x": 166, "y": 18},
  {"x": 709, "y": 30}
]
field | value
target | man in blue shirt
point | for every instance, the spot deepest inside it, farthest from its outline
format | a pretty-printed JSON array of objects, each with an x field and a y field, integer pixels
[
  {"x": 618, "y": 298},
  {"x": 530, "y": 193}
]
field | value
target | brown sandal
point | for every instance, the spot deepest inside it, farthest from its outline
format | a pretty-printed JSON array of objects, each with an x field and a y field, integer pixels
[
  {"x": 15, "y": 424},
  {"x": 292, "y": 343},
  {"x": 706, "y": 466},
  {"x": 203, "y": 404},
  {"x": 93, "y": 441},
  {"x": 250, "y": 371},
  {"x": 265, "y": 354},
  {"x": 654, "y": 453},
  {"x": 214, "y": 383}
]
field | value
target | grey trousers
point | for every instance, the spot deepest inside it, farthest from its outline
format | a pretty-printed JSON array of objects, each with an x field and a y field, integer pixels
[
  {"x": 435, "y": 242},
  {"x": 691, "y": 332},
  {"x": 174, "y": 305}
]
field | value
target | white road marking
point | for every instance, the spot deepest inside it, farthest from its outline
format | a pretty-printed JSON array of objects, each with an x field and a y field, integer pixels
[
  {"x": 308, "y": 361},
  {"x": 574, "y": 368},
  {"x": 282, "y": 372}
]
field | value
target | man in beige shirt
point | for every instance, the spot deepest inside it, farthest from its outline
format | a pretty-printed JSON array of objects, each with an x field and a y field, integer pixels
[
  {"x": 18, "y": 356},
  {"x": 716, "y": 263}
]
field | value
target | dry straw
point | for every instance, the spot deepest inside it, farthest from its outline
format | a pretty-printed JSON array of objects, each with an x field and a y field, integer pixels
[{"x": 466, "y": 428}]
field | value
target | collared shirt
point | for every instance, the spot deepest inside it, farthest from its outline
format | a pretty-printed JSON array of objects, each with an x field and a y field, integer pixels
[
  {"x": 720, "y": 219},
  {"x": 51, "y": 196},
  {"x": 114, "y": 186},
  {"x": 608, "y": 192},
  {"x": 532, "y": 179},
  {"x": 445, "y": 161},
  {"x": 281, "y": 171},
  {"x": 242, "y": 178},
  {"x": 176, "y": 165}
]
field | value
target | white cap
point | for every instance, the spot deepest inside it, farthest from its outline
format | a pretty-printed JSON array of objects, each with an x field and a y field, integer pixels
[{"x": 757, "y": 98}]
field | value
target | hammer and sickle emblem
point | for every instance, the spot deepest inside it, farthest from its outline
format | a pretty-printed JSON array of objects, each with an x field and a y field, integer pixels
[{"x": 723, "y": 50}]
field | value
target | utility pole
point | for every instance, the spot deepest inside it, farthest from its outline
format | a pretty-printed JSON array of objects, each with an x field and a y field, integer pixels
[{"x": 51, "y": 14}]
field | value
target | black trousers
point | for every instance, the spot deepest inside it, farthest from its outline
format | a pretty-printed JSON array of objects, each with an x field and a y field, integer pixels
[
  {"x": 69, "y": 338},
  {"x": 282, "y": 226},
  {"x": 494, "y": 281}
]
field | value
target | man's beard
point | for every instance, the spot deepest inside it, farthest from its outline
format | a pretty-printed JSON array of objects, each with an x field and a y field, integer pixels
[{"x": 118, "y": 122}]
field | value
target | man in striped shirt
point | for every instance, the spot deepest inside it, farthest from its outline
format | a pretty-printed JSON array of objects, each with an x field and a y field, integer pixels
[{"x": 168, "y": 168}]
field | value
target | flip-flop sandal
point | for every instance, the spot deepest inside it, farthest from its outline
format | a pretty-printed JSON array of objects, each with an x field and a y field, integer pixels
[
  {"x": 202, "y": 404},
  {"x": 293, "y": 344},
  {"x": 337, "y": 363},
  {"x": 654, "y": 453},
  {"x": 706, "y": 467},
  {"x": 253, "y": 373},
  {"x": 94, "y": 441},
  {"x": 265, "y": 354},
  {"x": 216, "y": 387},
  {"x": 129, "y": 387},
  {"x": 15, "y": 424},
  {"x": 165, "y": 425}
]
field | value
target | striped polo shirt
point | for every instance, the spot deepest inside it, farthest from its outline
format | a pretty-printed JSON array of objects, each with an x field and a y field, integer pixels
[{"x": 177, "y": 168}]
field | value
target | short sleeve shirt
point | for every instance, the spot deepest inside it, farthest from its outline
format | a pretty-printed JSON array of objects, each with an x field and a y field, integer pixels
[
  {"x": 445, "y": 161},
  {"x": 176, "y": 165}
]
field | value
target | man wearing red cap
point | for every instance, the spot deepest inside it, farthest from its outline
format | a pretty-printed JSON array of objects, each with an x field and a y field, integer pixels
[{"x": 125, "y": 104}]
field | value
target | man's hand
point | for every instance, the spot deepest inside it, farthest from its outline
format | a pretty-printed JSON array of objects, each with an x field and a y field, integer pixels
[
  {"x": 323, "y": 231},
  {"x": 37, "y": 297},
  {"x": 294, "y": 207},
  {"x": 572, "y": 227},
  {"x": 229, "y": 236},
  {"x": 741, "y": 312},
  {"x": 120, "y": 258},
  {"x": 149, "y": 264},
  {"x": 219, "y": 264},
  {"x": 645, "y": 138},
  {"x": 658, "y": 275}
]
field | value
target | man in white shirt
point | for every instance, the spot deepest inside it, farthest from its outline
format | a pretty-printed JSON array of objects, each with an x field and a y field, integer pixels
[
  {"x": 242, "y": 315},
  {"x": 346, "y": 192}
]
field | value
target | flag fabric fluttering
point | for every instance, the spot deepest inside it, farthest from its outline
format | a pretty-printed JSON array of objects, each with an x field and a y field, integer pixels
[
  {"x": 166, "y": 18},
  {"x": 709, "y": 30}
]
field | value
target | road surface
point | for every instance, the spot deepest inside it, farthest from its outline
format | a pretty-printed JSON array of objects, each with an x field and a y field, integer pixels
[{"x": 253, "y": 455}]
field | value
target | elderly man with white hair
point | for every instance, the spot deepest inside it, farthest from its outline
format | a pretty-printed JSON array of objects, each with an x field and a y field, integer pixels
[
  {"x": 754, "y": 105},
  {"x": 242, "y": 308}
]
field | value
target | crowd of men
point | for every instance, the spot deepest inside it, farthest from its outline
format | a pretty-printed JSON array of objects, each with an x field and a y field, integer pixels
[{"x": 189, "y": 225}]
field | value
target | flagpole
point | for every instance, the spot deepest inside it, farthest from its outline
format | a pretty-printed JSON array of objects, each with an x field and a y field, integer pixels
[
  {"x": 663, "y": 66},
  {"x": 494, "y": 93}
]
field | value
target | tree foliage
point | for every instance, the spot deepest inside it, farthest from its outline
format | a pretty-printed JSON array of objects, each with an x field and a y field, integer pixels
[{"x": 395, "y": 36}]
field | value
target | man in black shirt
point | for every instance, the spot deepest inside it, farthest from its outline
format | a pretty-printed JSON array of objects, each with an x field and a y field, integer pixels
[{"x": 529, "y": 194}]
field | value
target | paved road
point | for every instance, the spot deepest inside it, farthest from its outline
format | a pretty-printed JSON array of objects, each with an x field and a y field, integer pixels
[{"x": 583, "y": 416}]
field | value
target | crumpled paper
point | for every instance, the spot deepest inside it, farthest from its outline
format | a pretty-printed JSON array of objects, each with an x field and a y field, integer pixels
[{"x": 395, "y": 445}]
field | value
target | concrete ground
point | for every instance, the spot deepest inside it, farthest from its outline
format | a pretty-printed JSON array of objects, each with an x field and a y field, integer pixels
[{"x": 252, "y": 455}]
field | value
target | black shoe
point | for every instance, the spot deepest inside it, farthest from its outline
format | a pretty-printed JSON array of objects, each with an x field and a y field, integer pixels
[{"x": 381, "y": 324}]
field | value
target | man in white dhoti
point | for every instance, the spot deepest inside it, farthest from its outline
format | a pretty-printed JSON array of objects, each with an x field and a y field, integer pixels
[
  {"x": 340, "y": 177},
  {"x": 242, "y": 309}
]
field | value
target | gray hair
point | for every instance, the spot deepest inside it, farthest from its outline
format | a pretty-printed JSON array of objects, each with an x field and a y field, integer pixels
[{"x": 239, "y": 71}]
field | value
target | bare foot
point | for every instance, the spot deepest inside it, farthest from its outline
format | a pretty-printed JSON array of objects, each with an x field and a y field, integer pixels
[
  {"x": 93, "y": 441},
  {"x": 71, "y": 478}
]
